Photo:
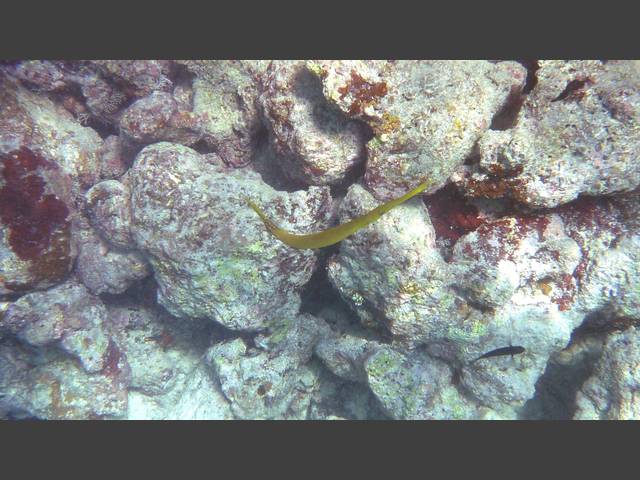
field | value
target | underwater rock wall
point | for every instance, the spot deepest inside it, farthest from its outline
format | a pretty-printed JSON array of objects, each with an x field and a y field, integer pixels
[{"x": 137, "y": 283}]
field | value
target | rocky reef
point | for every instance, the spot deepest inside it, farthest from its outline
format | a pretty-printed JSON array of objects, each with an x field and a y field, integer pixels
[{"x": 136, "y": 282}]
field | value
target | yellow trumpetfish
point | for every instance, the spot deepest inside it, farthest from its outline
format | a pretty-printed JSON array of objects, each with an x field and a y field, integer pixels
[{"x": 338, "y": 233}]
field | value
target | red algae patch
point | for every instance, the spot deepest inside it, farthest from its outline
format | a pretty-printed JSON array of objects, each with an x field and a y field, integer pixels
[
  {"x": 451, "y": 215},
  {"x": 37, "y": 223},
  {"x": 364, "y": 93},
  {"x": 589, "y": 218}
]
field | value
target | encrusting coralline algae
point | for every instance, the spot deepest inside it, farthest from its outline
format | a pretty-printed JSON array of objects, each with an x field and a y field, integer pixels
[{"x": 137, "y": 283}]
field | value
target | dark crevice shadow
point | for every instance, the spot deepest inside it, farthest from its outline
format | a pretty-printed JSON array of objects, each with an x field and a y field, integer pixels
[
  {"x": 507, "y": 116},
  {"x": 572, "y": 88},
  {"x": 532, "y": 67}
]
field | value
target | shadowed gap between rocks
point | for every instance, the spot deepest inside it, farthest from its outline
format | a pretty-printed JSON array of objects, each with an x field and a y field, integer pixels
[
  {"x": 531, "y": 81},
  {"x": 318, "y": 291},
  {"x": 507, "y": 117},
  {"x": 572, "y": 88},
  {"x": 557, "y": 388},
  {"x": 264, "y": 161},
  {"x": 556, "y": 391},
  {"x": 143, "y": 293}
]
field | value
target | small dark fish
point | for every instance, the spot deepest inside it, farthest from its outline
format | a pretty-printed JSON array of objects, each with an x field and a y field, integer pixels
[{"x": 498, "y": 352}]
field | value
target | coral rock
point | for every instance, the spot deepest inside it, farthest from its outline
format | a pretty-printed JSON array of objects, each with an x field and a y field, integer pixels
[
  {"x": 105, "y": 269},
  {"x": 108, "y": 208},
  {"x": 576, "y": 133},
  {"x": 611, "y": 393},
  {"x": 67, "y": 314},
  {"x": 224, "y": 99},
  {"x": 426, "y": 115},
  {"x": 159, "y": 117},
  {"x": 316, "y": 144},
  {"x": 211, "y": 254}
]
